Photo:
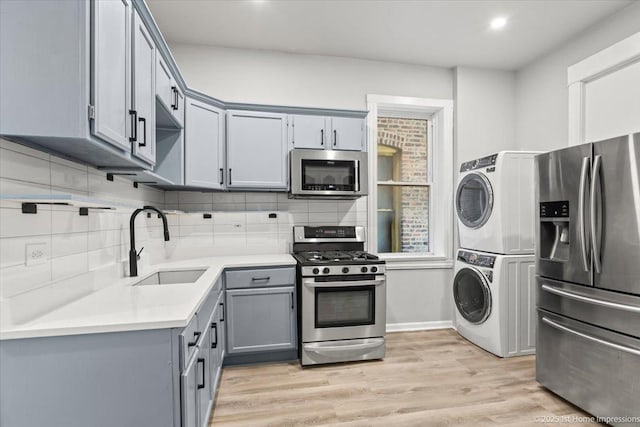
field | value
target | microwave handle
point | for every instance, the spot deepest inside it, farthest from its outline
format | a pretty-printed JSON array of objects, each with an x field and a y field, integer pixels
[{"x": 357, "y": 176}]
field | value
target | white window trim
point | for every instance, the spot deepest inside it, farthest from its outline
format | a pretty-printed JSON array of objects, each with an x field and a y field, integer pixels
[
  {"x": 601, "y": 64},
  {"x": 441, "y": 171}
]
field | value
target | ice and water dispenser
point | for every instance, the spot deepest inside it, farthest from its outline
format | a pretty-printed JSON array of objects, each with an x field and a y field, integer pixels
[{"x": 554, "y": 231}]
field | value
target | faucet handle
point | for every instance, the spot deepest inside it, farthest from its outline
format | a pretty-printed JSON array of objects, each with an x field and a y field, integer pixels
[{"x": 138, "y": 254}]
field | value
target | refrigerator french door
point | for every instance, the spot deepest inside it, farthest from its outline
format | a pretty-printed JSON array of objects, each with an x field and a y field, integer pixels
[{"x": 588, "y": 274}]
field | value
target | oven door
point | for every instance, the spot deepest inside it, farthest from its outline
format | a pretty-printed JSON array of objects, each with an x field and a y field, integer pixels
[
  {"x": 328, "y": 173},
  {"x": 343, "y": 307}
]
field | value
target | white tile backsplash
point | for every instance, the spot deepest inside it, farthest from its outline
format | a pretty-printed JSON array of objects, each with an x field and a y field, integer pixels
[
  {"x": 240, "y": 222},
  {"x": 75, "y": 244}
]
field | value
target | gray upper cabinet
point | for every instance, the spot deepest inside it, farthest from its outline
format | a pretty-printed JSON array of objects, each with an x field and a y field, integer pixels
[
  {"x": 261, "y": 319},
  {"x": 257, "y": 150},
  {"x": 167, "y": 90},
  {"x": 347, "y": 134},
  {"x": 309, "y": 131},
  {"x": 204, "y": 145},
  {"x": 328, "y": 133},
  {"x": 144, "y": 91},
  {"x": 112, "y": 71}
]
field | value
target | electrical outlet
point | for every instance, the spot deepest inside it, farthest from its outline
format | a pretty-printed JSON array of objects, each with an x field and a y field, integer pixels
[{"x": 36, "y": 253}]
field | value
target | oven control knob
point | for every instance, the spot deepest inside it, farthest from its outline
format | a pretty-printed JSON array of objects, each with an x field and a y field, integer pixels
[
  {"x": 374, "y": 269},
  {"x": 345, "y": 270},
  {"x": 326, "y": 270},
  {"x": 364, "y": 269},
  {"x": 315, "y": 271}
]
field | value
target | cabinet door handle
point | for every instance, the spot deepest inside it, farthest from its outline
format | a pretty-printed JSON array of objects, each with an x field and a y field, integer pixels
[
  {"x": 229, "y": 176},
  {"x": 214, "y": 326},
  {"x": 321, "y": 136},
  {"x": 335, "y": 137},
  {"x": 223, "y": 313},
  {"x": 144, "y": 129},
  {"x": 174, "y": 104},
  {"x": 292, "y": 300},
  {"x": 196, "y": 335},
  {"x": 201, "y": 360},
  {"x": 221, "y": 176},
  {"x": 134, "y": 125}
]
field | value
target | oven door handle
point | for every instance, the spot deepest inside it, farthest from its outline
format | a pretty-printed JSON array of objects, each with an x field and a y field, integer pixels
[
  {"x": 311, "y": 283},
  {"x": 319, "y": 347}
]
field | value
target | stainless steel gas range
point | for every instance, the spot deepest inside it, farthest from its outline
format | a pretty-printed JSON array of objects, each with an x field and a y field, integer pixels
[{"x": 342, "y": 296}]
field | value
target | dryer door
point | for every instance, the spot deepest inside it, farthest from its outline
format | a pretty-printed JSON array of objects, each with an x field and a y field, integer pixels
[
  {"x": 474, "y": 200},
  {"x": 472, "y": 295}
]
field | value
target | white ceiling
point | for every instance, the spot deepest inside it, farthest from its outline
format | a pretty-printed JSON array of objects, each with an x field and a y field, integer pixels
[{"x": 436, "y": 32}]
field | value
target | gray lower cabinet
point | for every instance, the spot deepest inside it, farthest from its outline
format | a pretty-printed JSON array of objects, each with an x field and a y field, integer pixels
[
  {"x": 257, "y": 150},
  {"x": 261, "y": 319},
  {"x": 154, "y": 378}
]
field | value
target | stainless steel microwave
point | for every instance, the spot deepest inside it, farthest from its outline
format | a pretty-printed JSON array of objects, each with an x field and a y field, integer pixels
[{"x": 328, "y": 174}]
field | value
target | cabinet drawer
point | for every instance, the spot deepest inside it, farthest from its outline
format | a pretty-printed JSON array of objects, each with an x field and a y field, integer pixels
[
  {"x": 188, "y": 339},
  {"x": 260, "y": 277}
]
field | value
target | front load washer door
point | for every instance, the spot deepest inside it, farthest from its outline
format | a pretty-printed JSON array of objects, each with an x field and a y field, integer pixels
[
  {"x": 472, "y": 295},
  {"x": 474, "y": 200}
]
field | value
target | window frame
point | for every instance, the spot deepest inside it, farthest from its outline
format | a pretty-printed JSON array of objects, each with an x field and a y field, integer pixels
[{"x": 439, "y": 113}]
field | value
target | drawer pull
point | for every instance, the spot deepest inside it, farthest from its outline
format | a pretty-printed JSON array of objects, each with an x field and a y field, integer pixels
[
  {"x": 201, "y": 360},
  {"x": 590, "y": 300},
  {"x": 590, "y": 338},
  {"x": 261, "y": 279},
  {"x": 196, "y": 335},
  {"x": 214, "y": 326}
]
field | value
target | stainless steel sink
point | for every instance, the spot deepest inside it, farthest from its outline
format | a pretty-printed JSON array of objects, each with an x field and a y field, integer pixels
[{"x": 171, "y": 277}]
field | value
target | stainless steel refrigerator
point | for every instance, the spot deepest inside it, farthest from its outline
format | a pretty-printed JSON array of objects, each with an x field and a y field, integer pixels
[{"x": 588, "y": 276}]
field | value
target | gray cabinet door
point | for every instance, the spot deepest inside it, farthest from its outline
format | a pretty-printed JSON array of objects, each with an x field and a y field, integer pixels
[
  {"x": 144, "y": 91},
  {"x": 204, "y": 145},
  {"x": 204, "y": 385},
  {"x": 309, "y": 131},
  {"x": 214, "y": 350},
  {"x": 189, "y": 393},
  {"x": 257, "y": 150},
  {"x": 164, "y": 83},
  {"x": 111, "y": 69},
  {"x": 347, "y": 134},
  {"x": 261, "y": 319}
]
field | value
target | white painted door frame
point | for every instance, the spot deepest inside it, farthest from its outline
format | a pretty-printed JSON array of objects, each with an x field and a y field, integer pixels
[{"x": 603, "y": 63}]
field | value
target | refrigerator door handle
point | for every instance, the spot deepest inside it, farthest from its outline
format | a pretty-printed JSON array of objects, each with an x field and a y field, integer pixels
[
  {"x": 581, "y": 212},
  {"x": 615, "y": 346},
  {"x": 591, "y": 300},
  {"x": 595, "y": 182}
]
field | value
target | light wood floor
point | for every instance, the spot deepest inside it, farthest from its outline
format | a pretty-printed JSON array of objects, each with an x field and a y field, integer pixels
[{"x": 428, "y": 378}]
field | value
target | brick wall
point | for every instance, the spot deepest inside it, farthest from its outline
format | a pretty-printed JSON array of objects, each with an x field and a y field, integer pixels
[{"x": 409, "y": 137}]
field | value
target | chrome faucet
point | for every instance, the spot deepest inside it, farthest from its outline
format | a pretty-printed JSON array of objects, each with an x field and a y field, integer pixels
[{"x": 134, "y": 256}]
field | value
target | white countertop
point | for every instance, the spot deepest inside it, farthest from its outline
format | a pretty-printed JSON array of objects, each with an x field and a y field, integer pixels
[{"x": 123, "y": 307}]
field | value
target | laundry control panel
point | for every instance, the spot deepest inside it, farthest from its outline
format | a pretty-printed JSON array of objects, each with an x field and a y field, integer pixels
[
  {"x": 477, "y": 259},
  {"x": 484, "y": 162}
]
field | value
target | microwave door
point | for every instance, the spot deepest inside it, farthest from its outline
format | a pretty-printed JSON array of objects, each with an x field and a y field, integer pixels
[
  {"x": 563, "y": 250},
  {"x": 616, "y": 204}
]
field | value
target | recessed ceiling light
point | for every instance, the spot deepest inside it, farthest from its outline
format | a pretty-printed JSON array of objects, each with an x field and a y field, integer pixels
[{"x": 498, "y": 23}]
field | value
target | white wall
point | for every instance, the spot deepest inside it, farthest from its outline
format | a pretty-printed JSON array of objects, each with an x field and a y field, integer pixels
[
  {"x": 485, "y": 112},
  {"x": 263, "y": 77},
  {"x": 541, "y": 87}
]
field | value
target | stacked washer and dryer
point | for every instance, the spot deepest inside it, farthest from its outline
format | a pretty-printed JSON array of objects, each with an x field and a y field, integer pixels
[{"x": 494, "y": 282}]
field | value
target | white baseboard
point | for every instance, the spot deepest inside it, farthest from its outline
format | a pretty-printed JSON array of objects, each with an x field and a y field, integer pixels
[{"x": 420, "y": 326}]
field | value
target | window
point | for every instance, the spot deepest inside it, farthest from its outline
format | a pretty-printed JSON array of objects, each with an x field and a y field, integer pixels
[
  {"x": 411, "y": 181},
  {"x": 402, "y": 185}
]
